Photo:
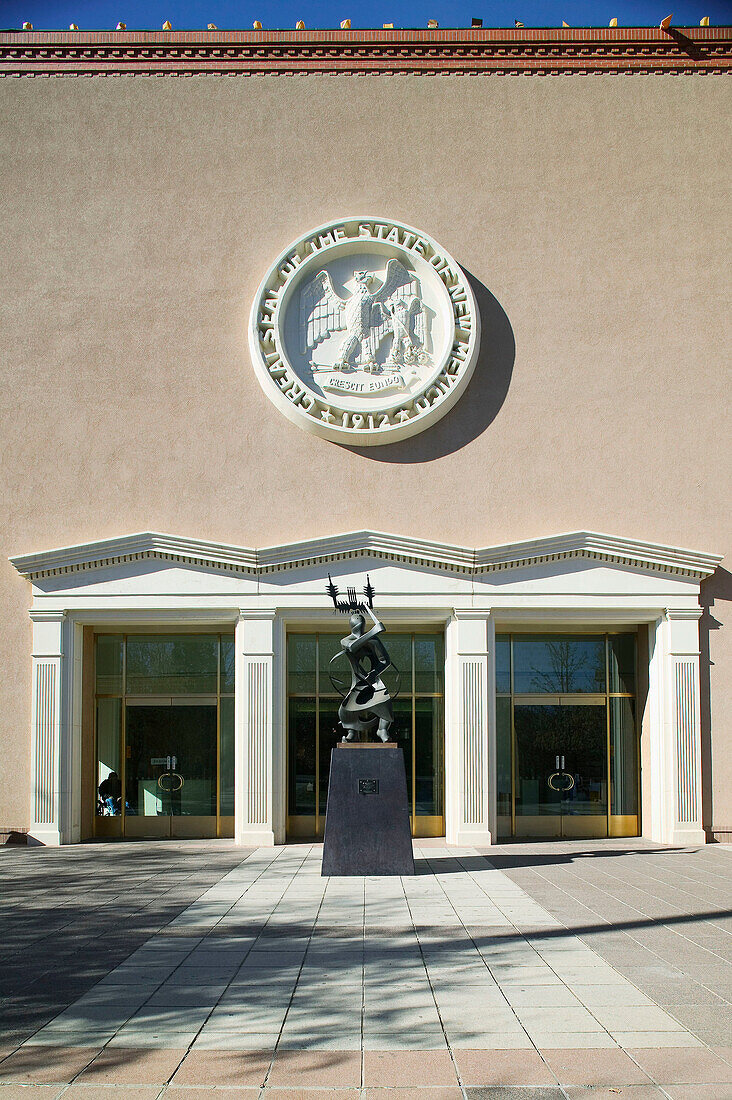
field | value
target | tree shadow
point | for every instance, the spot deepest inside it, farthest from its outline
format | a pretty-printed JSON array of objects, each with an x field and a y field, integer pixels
[{"x": 478, "y": 407}]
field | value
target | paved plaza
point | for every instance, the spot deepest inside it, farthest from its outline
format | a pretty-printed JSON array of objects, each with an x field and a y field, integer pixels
[{"x": 192, "y": 970}]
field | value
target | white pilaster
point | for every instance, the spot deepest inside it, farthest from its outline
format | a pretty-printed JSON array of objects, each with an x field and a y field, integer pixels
[
  {"x": 674, "y": 814},
  {"x": 470, "y": 748},
  {"x": 684, "y": 711},
  {"x": 254, "y": 729},
  {"x": 46, "y": 727}
]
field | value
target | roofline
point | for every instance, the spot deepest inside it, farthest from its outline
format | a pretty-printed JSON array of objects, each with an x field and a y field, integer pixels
[
  {"x": 486, "y": 50},
  {"x": 376, "y": 544}
]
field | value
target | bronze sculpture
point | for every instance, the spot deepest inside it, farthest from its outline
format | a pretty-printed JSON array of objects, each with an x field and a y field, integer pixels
[{"x": 367, "y": 704}]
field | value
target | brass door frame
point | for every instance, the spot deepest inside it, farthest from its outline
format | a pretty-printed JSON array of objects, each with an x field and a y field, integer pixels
[
  {"x": 616, "y": 825},
  {"x": 299, "y": 825},
  {"x": 127, "y": 826}
]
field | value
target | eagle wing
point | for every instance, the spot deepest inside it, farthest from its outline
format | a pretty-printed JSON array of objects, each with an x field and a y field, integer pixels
[
  {"x": 396, "y": 276},
  {"x": 321, "y": 311}
]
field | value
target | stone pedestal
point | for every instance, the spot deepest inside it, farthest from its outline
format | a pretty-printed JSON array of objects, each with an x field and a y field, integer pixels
[{"x": 367, "y": 829}]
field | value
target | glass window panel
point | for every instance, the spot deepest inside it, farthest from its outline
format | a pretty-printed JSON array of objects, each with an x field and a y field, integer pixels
[
  {"x": 109, "y": 784},
  {"x": 503, "y": 662},
  {"x": 558, "y": 663},
  {"x": 503, "y": 756},
  {"x": 622, "y": 663},
  {"x": 109, "y": 664},
  {"x": 329, "y": 646},
  {"x": 174, "y": 664},
  {"x": 402, "y": 734},
  {"x": 301, "y": 755},
  {"x": 623, "y": 757},
  {"x": 399, "y": 648},
  {"x": 428, "y": 765},
  {"x": 301, "y": 664},
  {"x": 226, "y": 757},
  {"x": 227, "y": 663},
  {"x": 330, "y": 734},
  {"x": 429, "y": 662}
]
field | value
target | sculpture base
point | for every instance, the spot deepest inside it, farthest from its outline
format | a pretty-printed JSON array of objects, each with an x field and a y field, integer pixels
[{"x": 367, "y": 830}]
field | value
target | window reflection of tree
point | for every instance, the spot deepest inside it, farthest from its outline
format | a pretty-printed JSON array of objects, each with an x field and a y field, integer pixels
[
  {"x": 570, "y": 666},
  {"x": 173, "y": 664}
]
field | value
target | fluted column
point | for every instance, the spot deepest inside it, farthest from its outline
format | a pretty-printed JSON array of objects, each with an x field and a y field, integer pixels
[
  {"x": 470, "y": 733},
  {"x": 46, "y": 727},
  {"x": 254, "y": 729}
]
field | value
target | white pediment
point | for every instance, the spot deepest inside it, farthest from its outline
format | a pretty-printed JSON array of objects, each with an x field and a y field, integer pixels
[{"x": 559, "y": 556}]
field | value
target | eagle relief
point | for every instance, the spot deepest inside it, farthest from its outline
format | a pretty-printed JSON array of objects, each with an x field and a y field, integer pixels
[
  {"x": 388, "y": 309},
  {"x": 364, "y": 331}
]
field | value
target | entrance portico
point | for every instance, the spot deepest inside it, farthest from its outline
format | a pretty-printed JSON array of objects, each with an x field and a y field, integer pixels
[{"x": 568, "y": 585}]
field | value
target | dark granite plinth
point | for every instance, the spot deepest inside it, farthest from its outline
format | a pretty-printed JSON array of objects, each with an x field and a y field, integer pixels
[{"x": 367, "y": 828}]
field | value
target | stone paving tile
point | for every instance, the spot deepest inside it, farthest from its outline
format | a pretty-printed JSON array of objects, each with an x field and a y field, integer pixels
[
  {"x": 594, "y": 1067},
  {"x": 680, "y": 1067},
  {"x": 131, "y": 1066},
  {"x": 500, "y": 1067},
  {"x": 304, "y": 1068},
  {"x": 392, "y": 1068},
  {"x": 223, "y": 1067},
  {"x": 45, "y": 1064}
]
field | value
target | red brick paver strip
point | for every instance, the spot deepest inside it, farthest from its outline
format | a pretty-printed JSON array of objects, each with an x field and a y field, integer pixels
[
  {"x": 446, "y": 1092},
  {"x": 699, "y": 1092},
  {"x": 202, "y": 1094},
  {"x": 104, "y": 1092},
  {"x": 306, "y": 1068},
  {"x": 682, "y": 1066},
  {"x": 302, "y": 1094},
  {"x": 619, "y": 1092},
  {"x": 503, "y": 1067},
  {"x": 22, "y": 1092},
  {"x": 46, "y": 1064},
  {"x": 224, "y": 1067},
  {"x": 392, "y": 1068},
  {"x": 594, "y": 1067},
  {"x": 130, "y": 1066}
]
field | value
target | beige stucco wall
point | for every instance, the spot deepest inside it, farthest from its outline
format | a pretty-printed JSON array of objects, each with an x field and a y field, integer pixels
[{"x": 140, "y": 214}]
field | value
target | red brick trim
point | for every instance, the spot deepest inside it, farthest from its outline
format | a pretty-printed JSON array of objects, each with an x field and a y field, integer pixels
[{"x": 430, "y": 52}]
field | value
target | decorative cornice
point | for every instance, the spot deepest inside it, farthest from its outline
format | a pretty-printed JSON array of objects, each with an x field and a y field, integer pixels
[
  {"x": 372, "y": 544},
  {"x": 430, "y": 52}
]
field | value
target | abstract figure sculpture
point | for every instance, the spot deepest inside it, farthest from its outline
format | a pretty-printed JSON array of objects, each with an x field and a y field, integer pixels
[{"x": 367, "y": 704}]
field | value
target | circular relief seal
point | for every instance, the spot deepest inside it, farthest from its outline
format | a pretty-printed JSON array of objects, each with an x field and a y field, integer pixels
[{"x": 364, "y": 331}]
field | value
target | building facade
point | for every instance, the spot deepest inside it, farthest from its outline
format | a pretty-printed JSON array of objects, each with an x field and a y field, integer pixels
[{"x": 370, "y": 304}]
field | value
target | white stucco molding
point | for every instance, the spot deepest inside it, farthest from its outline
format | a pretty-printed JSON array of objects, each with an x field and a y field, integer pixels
[{"x": 630, "y": 553}]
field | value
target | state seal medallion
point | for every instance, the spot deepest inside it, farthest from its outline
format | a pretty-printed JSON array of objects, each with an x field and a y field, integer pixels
[{"x": 364, "y": 331}]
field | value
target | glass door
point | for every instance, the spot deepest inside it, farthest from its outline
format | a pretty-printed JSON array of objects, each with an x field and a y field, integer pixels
[
  {"x": 567, "y": 747},
  {"x": 164, "y": 735},
  {"x": 561, "y": 763},
  {"x": 170, "y": 773}
]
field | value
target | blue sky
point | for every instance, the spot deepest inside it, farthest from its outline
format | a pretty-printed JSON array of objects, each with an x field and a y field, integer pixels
[{"x": 189, "y": 14}]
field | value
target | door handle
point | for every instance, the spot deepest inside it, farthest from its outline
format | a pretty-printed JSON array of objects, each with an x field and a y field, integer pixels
[
  {"x": 172, "y": 786},
  {"x": 557, "y": 764},
  {"x": 562, "y": 763}
]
